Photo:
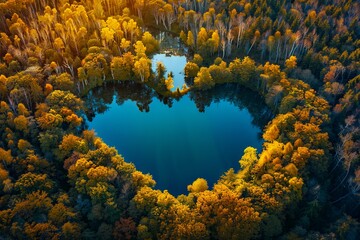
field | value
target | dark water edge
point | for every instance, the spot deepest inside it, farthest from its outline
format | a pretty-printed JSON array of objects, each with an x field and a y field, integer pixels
[{"x": 203, "y": 134}]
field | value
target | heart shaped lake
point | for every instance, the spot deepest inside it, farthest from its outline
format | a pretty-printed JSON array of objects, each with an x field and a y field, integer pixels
[{"x": 203, "y": 134}]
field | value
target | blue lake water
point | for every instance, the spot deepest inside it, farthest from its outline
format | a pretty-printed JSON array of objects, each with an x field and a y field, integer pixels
[
  {"x": 177, "y": 145},
  {"x": 174, "y": 64}
]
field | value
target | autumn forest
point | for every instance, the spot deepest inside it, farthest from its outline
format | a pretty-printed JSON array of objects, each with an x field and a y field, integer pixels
[{"x": 60, "y": 180}]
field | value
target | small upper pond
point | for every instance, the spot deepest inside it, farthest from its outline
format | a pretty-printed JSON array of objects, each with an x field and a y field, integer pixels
[
  {"x": 201, "y": 135},
  {"x": 174, "y": 64},
  {"x": 173, "y": 56}
]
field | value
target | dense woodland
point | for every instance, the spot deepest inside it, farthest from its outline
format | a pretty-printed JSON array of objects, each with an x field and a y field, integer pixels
[{"x": 58, "y": 180}]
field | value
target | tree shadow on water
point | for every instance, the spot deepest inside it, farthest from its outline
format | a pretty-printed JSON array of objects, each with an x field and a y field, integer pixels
[{"x": 99, "y": 99}]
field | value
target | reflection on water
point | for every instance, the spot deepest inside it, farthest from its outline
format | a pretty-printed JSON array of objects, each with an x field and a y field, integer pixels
[
  {"x": 201, "y": 135},
  {"x": 170, "y": 43},
  {"x": 172, "y": 55},
  {"x": 174, "y": 64}
]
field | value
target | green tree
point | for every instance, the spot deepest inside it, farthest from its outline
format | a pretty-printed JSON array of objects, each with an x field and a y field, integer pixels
[
  {"x": 62, "y": 82},
  {"x": 191, "y": 70},
  {"x": 151, "y": 44},
  {"x": 59, "y": 99}
]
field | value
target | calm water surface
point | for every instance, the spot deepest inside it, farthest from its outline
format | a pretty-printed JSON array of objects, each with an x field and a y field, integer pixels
[
  {"x": 174, "y": 64},
  {"x": 179, "y": 144},
  {"x": 199, "y": 136}
]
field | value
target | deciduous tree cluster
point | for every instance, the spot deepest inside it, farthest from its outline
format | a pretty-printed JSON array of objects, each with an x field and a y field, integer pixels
[{"x": 58, "y": 180}]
